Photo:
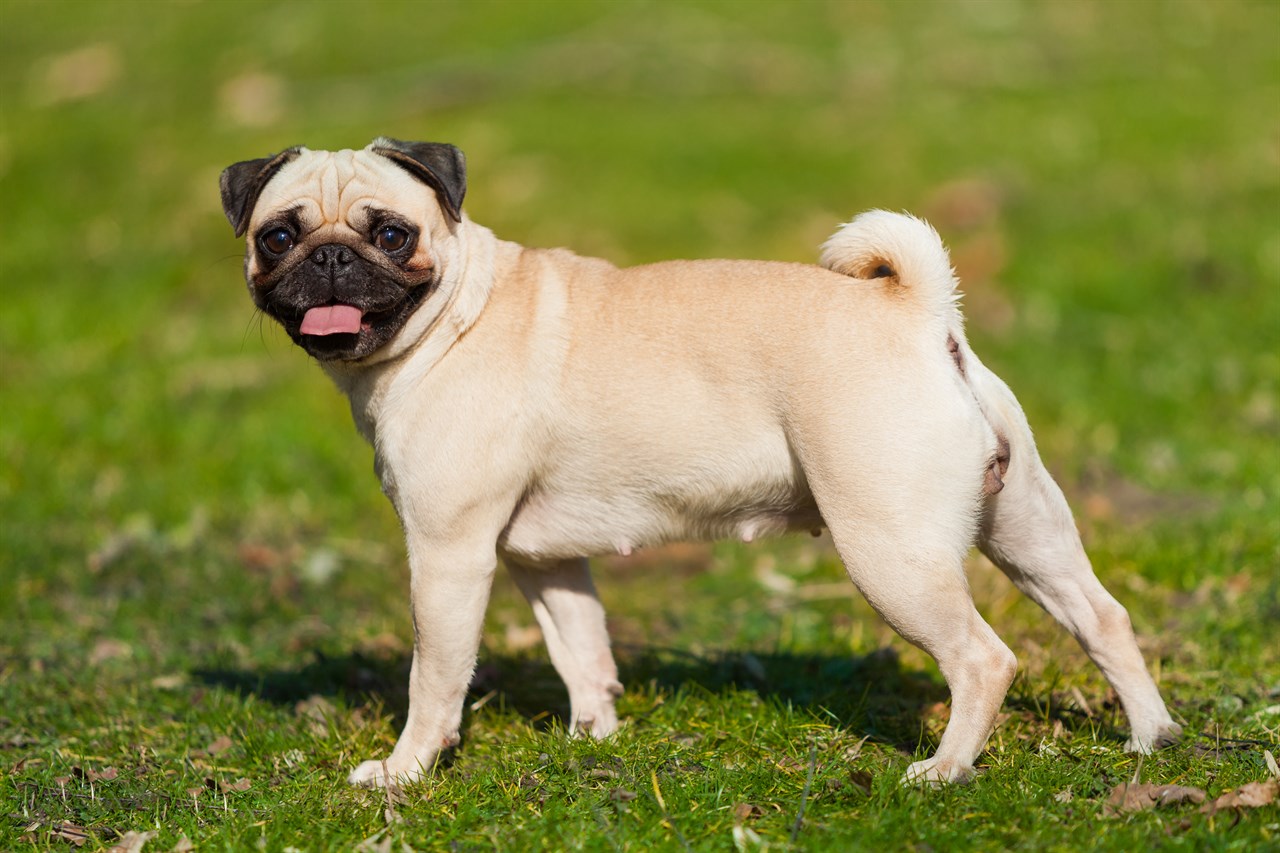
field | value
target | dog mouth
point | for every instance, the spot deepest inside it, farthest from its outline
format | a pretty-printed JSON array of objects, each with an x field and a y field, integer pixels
[
  {"x": 343, "y": 330},
  {"x": 338, "y": 319}
]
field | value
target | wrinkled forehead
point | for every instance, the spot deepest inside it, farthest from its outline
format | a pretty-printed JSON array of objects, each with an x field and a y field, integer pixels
[{"x": 339, "y": 187}]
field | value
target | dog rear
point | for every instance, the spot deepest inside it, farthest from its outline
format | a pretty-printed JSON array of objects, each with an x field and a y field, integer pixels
[{"x": 1026, "y": 527}]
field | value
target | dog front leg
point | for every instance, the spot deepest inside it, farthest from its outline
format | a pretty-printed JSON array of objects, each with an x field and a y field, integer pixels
[{"x": 449, "y": 590}]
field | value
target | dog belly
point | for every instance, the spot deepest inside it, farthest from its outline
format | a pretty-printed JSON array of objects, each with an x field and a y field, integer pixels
[{"x": 558, "y": 523}]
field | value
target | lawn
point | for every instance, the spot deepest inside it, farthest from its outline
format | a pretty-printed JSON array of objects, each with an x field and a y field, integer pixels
[{"x": 202, "y": 588}]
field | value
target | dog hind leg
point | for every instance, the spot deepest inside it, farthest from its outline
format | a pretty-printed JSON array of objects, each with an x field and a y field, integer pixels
[
  {"x": 1028, "y": 531},
  {"x": 901, "y": 496},
  {"x": 572, "y": 620},
  {"x": 927, "y": 602}
]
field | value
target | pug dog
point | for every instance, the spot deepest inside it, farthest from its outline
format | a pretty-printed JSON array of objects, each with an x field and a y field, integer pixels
[{"x": 539, "y": 407}]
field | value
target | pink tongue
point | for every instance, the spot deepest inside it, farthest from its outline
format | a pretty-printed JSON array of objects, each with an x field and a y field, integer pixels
[{"x": 332, "y": 320}]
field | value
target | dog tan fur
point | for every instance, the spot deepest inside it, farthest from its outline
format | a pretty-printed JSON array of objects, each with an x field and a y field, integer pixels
[{"x": 539, "y": 407}]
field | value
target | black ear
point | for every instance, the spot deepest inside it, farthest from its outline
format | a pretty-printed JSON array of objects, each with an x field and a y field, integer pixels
[
  {"x": 437, "y": 164},
  {"x": 242, "y": 184}
]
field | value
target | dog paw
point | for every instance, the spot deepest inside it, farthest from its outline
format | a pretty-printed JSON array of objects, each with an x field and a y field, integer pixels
[
  {"x": 933, "y": 773},
  {"x": 374, "y": 774},
  {"x": 598, "y": 725},
  {"x": 1165, "y": 734},
  {"x": 597, "y": 718}
]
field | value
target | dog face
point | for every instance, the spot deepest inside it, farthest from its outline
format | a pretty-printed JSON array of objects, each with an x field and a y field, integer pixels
[{"x": 344, "y": 246}]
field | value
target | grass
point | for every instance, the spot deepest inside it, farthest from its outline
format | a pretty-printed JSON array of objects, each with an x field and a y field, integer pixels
[{"x": 204, "y": 590}]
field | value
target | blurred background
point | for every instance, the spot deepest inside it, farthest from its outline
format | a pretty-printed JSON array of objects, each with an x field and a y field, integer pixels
[{"x": 1106, "y": 174}]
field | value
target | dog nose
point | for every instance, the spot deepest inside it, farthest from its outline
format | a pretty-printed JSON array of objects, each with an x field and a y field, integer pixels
[{"x": 332, "y": 255}]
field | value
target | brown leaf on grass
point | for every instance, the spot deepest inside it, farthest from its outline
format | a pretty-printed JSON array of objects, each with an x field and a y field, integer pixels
[
  {"x": 184, "y": 845},
  {"x": 219, "y": 745},
  {"x": 861, "y": 779},
  {"x": 73, "y": 833},
  {"x": 131, "y": 842},
  {"x": 92, "y": 775},
  {"x": 621, "y": 799},
  {"x": 1254, "y": 795},
  {"x": 746, "y": 811},
  {"x": 1136, "y": 797},
  {"x": 854, "y": 751},
  {"x": 237, "y": 786}
]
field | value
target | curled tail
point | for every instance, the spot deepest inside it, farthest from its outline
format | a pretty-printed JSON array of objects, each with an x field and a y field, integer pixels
[{"x": 903, "y": 253}]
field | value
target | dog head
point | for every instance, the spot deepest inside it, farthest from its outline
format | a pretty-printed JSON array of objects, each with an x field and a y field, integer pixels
[{"x": 344, "y": 246}]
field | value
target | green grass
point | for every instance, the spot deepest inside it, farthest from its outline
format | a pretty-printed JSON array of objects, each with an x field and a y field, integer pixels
[{"x": 193, "y": 547}]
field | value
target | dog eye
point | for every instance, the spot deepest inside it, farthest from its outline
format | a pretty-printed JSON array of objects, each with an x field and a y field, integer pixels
[
  {"x": 277, "y": 241},
  {"x": 391, "y": 239}
]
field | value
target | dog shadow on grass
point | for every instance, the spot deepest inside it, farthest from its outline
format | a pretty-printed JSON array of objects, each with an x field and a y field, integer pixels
[{"x": 871, "y": 695}]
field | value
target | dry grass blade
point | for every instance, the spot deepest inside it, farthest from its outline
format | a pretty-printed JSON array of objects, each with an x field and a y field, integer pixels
[
  {"x": 804, "y": 795},
  {"x": 393, "y": 794}
]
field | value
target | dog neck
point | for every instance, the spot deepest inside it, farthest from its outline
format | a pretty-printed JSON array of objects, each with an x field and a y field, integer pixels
[{"x": 379, "y": 383}]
